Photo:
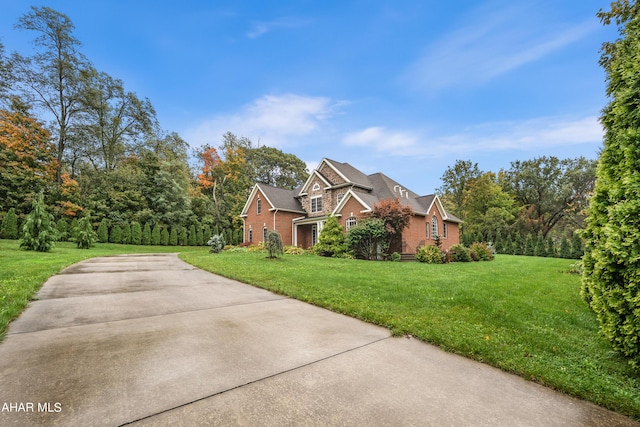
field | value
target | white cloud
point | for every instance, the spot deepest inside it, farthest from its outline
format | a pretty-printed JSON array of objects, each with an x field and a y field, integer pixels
[
  {"x": 496, "y": 42},
  {"x": 274, "y": 120},
  {"x": 384, "y": 141},
  {"x": 261, "y": 28},
  {"x": 549, "y": 132}
]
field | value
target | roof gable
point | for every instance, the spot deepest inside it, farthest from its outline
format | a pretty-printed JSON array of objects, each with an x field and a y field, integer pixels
[
  {"x": 305, "y": 187},
  {"x": 278, "y": 198},
  {"x": 363, "y": 198}
]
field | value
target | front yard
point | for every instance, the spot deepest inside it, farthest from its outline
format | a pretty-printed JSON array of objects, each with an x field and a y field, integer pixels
[{"x": 521, "y": 314}]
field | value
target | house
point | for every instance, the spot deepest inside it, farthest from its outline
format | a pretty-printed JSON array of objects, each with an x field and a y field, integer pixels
[{"x": 339, "y": 189}]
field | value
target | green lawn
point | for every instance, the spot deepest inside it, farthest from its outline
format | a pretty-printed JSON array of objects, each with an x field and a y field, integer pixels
[{"x": 522, "y": 314}]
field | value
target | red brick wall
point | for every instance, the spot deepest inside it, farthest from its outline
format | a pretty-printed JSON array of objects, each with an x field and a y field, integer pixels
[
  {"x": 415, "y": 235},
  {"x": 351, "y": 208},
  {"x": 256, "y": 222}
]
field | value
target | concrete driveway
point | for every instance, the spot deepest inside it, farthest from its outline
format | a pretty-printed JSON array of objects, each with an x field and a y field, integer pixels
[{"x": 150, "y": 340}]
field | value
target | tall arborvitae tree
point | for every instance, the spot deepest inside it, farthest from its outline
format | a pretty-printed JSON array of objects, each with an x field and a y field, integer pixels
[
  {"x": 611, "y": 279},
  {"x": 9, "y": 225},
  {"x": 126, "y": 233},
  {"x": 164, "y": 236},
  {"x": 173, "y": 236},
  {"x": 155, "y": 234},
  {"x": 115, "y": 235},
  {"x": 136, "y": 233},
  {"x": 146, "y": 234},
  {"x": 103, "y": 231}
]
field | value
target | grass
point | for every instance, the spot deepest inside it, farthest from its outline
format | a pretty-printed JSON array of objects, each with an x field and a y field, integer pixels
[
  {"x": 22, "y": 273},
  {"x": 521, "y": 314}
]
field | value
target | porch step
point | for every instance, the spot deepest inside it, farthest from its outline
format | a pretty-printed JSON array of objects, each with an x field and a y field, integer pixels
[{"x": 407, "y": 257}]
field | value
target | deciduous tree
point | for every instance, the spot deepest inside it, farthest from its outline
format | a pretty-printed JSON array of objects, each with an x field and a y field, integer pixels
[
  {"x": 27, "y": 157},
  {"x": 54, "y": 78}
]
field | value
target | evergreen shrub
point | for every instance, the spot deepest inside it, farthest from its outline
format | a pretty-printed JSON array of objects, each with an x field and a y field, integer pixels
[
  {"x": 430, "y": 254},
  {"x": 459, "y": 253}
]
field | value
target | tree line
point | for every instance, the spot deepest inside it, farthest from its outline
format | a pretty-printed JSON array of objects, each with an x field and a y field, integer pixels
[
  {"x": 537, "y": 203},
  {"x": 94, "y": 149}
]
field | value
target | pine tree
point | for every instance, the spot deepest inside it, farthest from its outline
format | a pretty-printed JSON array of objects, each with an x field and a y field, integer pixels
[
  {"x": 103, "y": 231},
  {"x": 136, "y": 233},
  {"x": 10, "y": 225},
  {"x": 84, "y": 235},
  {"x": 146, "y": 234},
  {"x": 173, "y": 237},
  {"x": 155, "y": 235},
  {"x": 38, "y": 232},
  {"x": 199, "y": 241}
]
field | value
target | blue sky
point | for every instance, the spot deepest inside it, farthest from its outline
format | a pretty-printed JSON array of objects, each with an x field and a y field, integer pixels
[{"x": 400, "y": 87}]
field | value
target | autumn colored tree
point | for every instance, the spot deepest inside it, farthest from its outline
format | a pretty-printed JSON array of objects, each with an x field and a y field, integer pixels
[
  {"x": 395, "y": 217},
  {"x": 27, "y": 158}
]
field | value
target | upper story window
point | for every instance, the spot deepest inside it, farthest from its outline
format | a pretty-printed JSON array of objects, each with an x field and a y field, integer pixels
[
  {"x": 316, "y": 187},
  {"x": 259, "y": 206},
  {"x": 444, "y": 230},
  {"x": 351, "y": 222},
  {"x": 340, "y": 197},
  {"x": 316, "y": 204},
  {"x": 434, "y": 226}
]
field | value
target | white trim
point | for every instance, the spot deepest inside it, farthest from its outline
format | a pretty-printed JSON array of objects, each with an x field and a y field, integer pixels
[
  {"x": 308, "y": 181},
  {"x": 311, "y": 200},
  {"x": 349, "y": 194}
]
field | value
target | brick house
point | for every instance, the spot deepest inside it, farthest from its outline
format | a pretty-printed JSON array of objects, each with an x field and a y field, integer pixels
[{"x": 339, "y": 189}]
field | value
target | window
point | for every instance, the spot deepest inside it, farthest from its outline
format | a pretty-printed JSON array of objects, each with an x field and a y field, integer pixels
[
  {"x": 314, "y": 235},
  {"x": 259, "y": 206},
  {"x": 444, "y": 230},
  {"x": 434, "y": 227},
  {"x": 250, "y": 236},
  {"x": 427, "y": 228},
  {"x": 316, "y": 187},
  {"x": 264, "y": 234},
  {"x": 340, "y": 197},
  {"x": 316, "y": 204},
  {"x": 351, "y": 222}
]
